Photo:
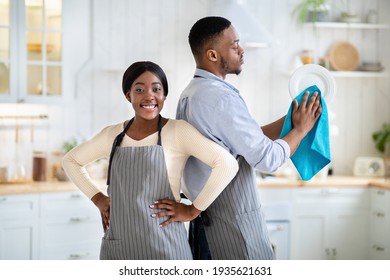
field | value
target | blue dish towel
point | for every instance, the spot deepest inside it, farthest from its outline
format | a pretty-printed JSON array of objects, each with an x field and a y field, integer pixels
[{"x": 313, "y": 153}]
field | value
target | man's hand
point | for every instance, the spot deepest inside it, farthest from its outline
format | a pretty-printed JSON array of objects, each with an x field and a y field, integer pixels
[{"x": 305, "y": 115}]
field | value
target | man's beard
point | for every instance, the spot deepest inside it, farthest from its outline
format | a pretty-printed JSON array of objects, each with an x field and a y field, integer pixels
[{"x": 225, "y": 66}]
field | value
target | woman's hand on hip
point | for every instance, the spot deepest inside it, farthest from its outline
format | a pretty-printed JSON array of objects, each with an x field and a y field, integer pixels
[
  {"x": 176, "y": 211},
  {"x": 103, "y": 203}
]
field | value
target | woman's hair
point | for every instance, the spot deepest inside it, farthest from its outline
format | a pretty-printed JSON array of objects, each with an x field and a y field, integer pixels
[
  {"x": 205, "y": 30},
  {"x": 137, "y": 69}
]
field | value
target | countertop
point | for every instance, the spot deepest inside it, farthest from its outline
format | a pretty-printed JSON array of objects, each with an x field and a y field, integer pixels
[
  {"x": 339, "y": 181},
  {"x": 330, "y": 181},
  {"x": 41, "y": 187}
]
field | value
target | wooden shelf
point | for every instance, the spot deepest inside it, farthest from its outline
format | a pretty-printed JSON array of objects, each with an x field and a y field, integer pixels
[
  {"x": 359, "y": 74},
  {"x": 351, "y": 25}
]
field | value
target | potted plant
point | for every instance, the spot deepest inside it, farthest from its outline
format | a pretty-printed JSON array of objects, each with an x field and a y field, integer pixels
[
  {"x": 382, "y": 139},
  {"x": 312, "y": 11}
]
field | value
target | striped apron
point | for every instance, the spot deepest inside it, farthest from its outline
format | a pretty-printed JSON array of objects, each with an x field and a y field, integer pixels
[
  {"x": 234, "y": 223},
  {"x": 138, "y": 178}
]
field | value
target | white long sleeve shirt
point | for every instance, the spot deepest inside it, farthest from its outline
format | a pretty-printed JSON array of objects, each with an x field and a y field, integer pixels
[{"x": 179, "y": 141}]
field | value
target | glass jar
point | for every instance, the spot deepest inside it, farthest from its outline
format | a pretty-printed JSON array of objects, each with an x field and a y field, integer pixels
[
  {"x": 307, "y": 57},
  {"x": 39, "y": 166}
]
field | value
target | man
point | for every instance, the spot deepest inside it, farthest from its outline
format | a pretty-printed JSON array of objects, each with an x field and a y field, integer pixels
[{"x": 234, "y": 223}]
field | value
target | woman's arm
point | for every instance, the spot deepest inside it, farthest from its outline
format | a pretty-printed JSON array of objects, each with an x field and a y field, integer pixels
[
  {"x": 74, "y": 163},
  {"x": 223, "y": 169}
]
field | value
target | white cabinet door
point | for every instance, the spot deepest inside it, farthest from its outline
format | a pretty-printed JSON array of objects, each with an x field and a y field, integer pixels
[
  {"x": 31, "y": 55},
  {"x": 330, "y": 223},
  {"x": 70, "y": 227},
  {"x": 18, "y": 227},
  {"x": 349, "y": 233},
  {"x": 308, "y": 232},
  {"x": 18, "y": 240}
]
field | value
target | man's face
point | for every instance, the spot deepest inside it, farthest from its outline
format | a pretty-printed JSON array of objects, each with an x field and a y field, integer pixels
[{"x": 231, "y": 54}]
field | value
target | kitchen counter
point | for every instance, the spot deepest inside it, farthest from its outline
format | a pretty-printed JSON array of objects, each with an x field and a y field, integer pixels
[
  {"x": 41, "y": 187},
  {"x": 340, "y": 181}
]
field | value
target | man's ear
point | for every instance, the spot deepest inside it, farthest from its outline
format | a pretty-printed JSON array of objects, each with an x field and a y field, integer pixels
[{"x": 211, "y": 55}]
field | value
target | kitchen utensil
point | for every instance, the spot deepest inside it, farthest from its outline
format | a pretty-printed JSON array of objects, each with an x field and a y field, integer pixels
[
  {"x": 19, "y": 174},
  {"x": 344, "y": 56},
  {"x": 312, "y": 74},
  {"x": 369, "y": 167}
]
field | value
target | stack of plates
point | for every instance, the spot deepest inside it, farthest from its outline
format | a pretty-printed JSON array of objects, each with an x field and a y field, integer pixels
[
  {"x": 371, "y": 67},
  {"x": 349, "y": 18}
]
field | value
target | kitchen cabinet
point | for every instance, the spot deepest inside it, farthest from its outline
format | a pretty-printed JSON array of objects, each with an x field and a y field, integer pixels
[
  {"x": 19, "y": 227},
  {"x": 379, "y": 246},
  {"x": 70, "y": 227},
  {"x": 31, "y": 51},
  {"x": 59, "y": 225},
  {"x": 276, "y": 205},
  {"x": 330, "y": 223}
]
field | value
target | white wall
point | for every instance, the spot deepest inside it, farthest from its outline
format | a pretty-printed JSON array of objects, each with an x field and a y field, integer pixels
[{"x": 109, "y": 35}]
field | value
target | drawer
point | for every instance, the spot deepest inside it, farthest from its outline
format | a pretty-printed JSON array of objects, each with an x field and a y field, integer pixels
[
  {"x": 380, "y": 199},
  {"x": 19, "y": 206},
  {"x": 60, "y": 232},
  {"x": 379, "y": 251},
  {"x": 85, "y": 251},
  {"x": 67, "y": 204},
  {"x": 355, "y": 195}
]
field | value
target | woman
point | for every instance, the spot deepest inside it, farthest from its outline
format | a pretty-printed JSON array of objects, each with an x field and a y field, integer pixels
[{"x": 147, "y": 157}]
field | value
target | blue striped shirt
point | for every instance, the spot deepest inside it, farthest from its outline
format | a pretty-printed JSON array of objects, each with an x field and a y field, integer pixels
[{"x": 218, "y": 111}]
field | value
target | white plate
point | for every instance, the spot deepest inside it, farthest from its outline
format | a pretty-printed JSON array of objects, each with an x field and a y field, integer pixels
[{"x": 309, "y": 75}]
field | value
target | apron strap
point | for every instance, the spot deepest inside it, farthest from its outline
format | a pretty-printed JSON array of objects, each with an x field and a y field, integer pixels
[
  {"x": 118, "y": 140},
  {"x": 159, "y": 130}
]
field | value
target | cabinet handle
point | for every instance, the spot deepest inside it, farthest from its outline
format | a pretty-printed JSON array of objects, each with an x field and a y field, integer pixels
[
  {"x": 78, "y": 256},
  {"x": 380, "y": 192},
  {"x": 330, "y": 191},
  {"x": 334, "y": 252},
  {"x": 75, "y": 196},
  {"x": 378, "y": 248},
  {"x": 78, "y": 219},
  {"x": 3, "y": 199},
  {"x": 276, "y": 228},
  {"x": 379, "y": 214}
]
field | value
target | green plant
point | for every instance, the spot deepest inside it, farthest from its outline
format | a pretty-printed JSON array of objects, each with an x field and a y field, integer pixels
[
  {"x": 69, "y": 145},
  {"x": 382, "y": 137},
  {"x": 310, "y": 9}
]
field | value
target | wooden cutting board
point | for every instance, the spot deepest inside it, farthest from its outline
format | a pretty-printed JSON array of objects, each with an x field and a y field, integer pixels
[{"x": 344, "y": 56}]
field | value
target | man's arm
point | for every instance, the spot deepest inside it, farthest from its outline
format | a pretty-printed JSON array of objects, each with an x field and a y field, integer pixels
[{"x": 273, "y": 130}]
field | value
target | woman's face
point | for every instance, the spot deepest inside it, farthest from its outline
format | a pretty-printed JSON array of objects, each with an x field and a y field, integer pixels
[{"x": 147, "y": 96}]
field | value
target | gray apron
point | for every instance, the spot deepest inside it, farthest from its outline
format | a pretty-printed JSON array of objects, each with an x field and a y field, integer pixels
[
  {"x": 234, "y": 223},
  {"x": 139, "y": 177}
]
